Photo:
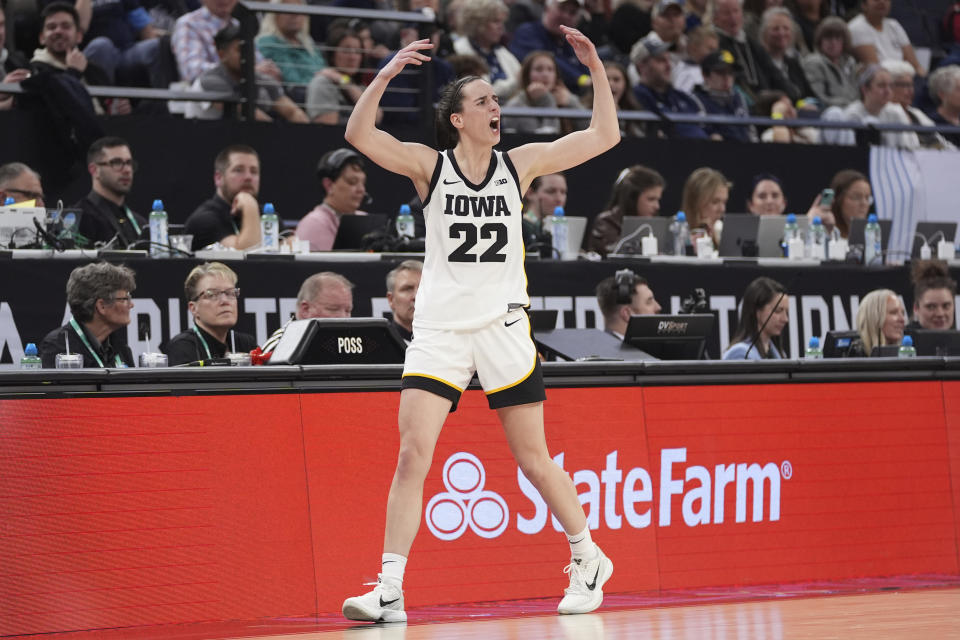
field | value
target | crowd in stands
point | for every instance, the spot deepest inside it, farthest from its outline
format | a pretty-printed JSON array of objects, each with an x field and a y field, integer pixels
[{"x": 783, "y": 59}]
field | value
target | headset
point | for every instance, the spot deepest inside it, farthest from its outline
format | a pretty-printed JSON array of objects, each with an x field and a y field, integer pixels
[
  {"x": 626, "y": 282},
  {"x": 331, "y": 163}
]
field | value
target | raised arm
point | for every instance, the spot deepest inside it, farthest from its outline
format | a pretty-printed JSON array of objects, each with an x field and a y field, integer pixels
[
  {"x": 416, "y": 161},
  {"x": 542, "y": 158}
]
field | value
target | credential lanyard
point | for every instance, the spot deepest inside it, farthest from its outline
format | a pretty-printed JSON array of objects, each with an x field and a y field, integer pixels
[
  {"x": 132, "y": 220},
  {"x": 202, "y": 341},
  {"x": 83, "y": 338}
]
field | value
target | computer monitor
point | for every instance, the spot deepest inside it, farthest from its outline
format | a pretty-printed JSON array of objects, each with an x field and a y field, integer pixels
[
  {"x": 352, "y": 229},
  {"x": 932, "y": 232},
  {"x": 543, "y": 319},
  {"x": 857, "y": 225},
  {"x": 339, "y": 341},
  {"x": 770, "y": 234},
  {"x": 576, "y": 228},
  {"x": 838, "y": 344},
  {"x": 931, "y": 342},
  {"x": 629, "y": 240},
  {"x": 679, "y": 337},
  {"x": 739, "y": 237}
]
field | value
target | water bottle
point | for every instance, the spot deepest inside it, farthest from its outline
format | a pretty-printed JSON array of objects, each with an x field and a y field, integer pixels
[
  {"x": 791, "y": 233},
  {"x": 872, "y": 242},
  {"x": 30, "y": 359},
  {"x": 818, "y": 239},
  {"x": 814, "y": 352},
  {"x": 159, "y": 239},
  {"x": 907, "y": 349},
  {"x": 405, "y": 227},
  {"x": 269, "y": 228},
  {"x": 680, "y": 231},
  {"x": 8, "y": 201},
  {"x": 558, "y": 227}
]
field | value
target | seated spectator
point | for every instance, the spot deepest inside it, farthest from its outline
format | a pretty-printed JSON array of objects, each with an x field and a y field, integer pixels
[
  {"x": 756, "y": 72},
  {"x": 656, "y": 94},
  {"x": 13, "y": 65},
  {"x": 699, "y": 13},
  {"x": 545, "y": 35},
  {"x": 338, "y": 85},
  {"x": 344, "y": 181},
  {"x": 622, "y": 96},
  {"x": 211, "y": 293},
  {"x": 876, "y": 90},
  {"x": 193, "y": 45},
  {"x": 402, "y": 285},
  {"x": 99, "y": 298},
  {"x": 621, "y": 296},
  {"x": 541, "y": 87},
  {"x": 881, "y": 319},
  {"x": 934, "y": 293},
  {"x": 232, "y": 216},
  {"x": 945, "y": 88},
  {"x": 809, "y": 14},
  {"x": 322, "y": 295},
  {"x": 705, "y": 195},
  {"x": 719, "y": 97},
  {"x": 852, "y": 198},
  {"x": 778, "y": 37},
  {"x": 481, "y": 25},
  {"x": 669, "y": 23},
  {"x": 777, "y": 105},
  {"x": 764, "y": 314},
  {"x": 106, "y": 218},
  {"x": 285, "y": 39},
  {"x": 123, "y": 41},
  {"x": 637, "y": 192},
  {"x": 227, "y": 77},
  {"x": 688, "y": 73},
  {"x": 902, "y": 74},
  {"x": 543, "y": 196},
  {"x": 831, "y": 69},
  {"x": 766, "y": 196},
  {"x": 20, "y": 182},
  {"x": 877, "y": 38}
]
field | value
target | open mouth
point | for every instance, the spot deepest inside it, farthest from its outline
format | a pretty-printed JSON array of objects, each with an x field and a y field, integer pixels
[{"x": 495, "y": 125}]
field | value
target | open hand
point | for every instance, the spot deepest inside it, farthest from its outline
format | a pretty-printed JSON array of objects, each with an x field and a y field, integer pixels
[
  {"x": 410, "y": 54},
  {"x": 582, "y": 46}
]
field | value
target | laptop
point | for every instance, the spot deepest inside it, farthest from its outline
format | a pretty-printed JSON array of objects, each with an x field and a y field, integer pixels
[
  {"x": 739, "y": 237},
  {"x": 857, "y": 225},
  {"x": 543, "y": 319},
  {"x": 576, "y": 227},
  {"x": 932, "y": 232},
  {"x": 16, "y": 226},
  {"x": 629, "y": 241},
  {"x": 670, "y": 337},
  {"x": 770, "y": 234},
  {"x": 353, "y": 228}
]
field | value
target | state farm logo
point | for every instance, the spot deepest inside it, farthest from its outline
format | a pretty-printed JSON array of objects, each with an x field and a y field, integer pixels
[
  {"x": 465, "y": 503},
  {"x": 616, "y": 496}
]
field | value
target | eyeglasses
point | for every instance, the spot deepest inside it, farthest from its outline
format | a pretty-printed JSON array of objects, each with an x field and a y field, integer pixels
[
  {"x": 29, "y": 195},
  {"x": 117, "y": 164},
  {"x": 857, "y": 197},
  {"x": 121, "y": 299},
  {"x": 215, "y": 294}
]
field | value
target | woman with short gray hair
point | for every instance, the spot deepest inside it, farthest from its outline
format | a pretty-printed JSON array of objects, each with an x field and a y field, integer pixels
[
  {"x": 945, "y": 90},
  {"x": 99, "y": 296},
  {"x": 481, "y": 24}
]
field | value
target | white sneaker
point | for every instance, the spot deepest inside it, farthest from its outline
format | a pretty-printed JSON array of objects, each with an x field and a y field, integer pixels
[
  {"x": 383, "y": 604},
  {"x": 587, "y": 578}
]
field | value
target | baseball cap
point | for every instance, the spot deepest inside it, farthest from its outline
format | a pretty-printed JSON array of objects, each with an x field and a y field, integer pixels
[
  {"x": 663, "y": 5},
  {"x": 648, "y": 47},
  {"x": 721, "y": 60}
]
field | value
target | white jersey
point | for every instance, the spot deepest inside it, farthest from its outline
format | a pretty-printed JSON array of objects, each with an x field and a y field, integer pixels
[{"x": 473, "y": 270}]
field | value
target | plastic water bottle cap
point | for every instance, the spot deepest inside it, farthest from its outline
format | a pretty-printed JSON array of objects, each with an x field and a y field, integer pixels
[
  {"x": 404, "y": 209},
  {"x": 158, "y": 205},
  {"x": 814, "y": 342},
  {"x": 791, "y": 218},
  {"x": 558, "y": 212},
  {"x": 872, "y": 217},
  {"x": 908, "y": 341},
  {"x": 8, "y": 201},
  {"x": 268, "y": 207},
  {"x": 30, "y": 349},
  {"x": 817, "y": 220},
  {"x": 681, "y": 216}
]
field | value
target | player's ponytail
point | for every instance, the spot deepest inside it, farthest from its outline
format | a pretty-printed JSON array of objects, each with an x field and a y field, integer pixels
[{"x": 451, "y": 101}]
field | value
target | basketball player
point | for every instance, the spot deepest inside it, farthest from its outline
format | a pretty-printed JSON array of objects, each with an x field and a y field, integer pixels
[{"x": 469, "y": 312}]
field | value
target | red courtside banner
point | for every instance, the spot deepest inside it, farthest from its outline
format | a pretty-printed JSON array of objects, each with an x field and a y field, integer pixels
[{"x": 951, "y": 401}]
